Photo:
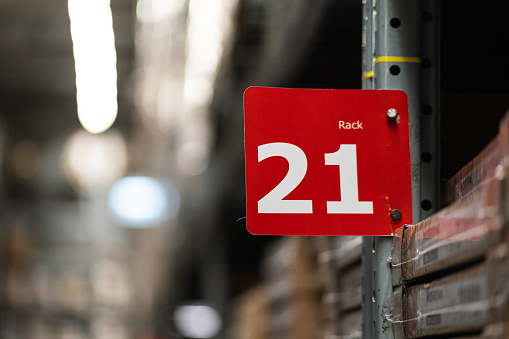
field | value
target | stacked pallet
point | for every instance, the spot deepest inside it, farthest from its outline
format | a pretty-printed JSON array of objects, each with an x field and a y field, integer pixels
[
  {"x": 340, "y": 262},
  {"x": 289, "y": 274},
  {"x": 348, "y": 274},
  {"x": 325, "y": 286},
  {"x": 56, "y": 284},
  {"x": 452, "y": 267},
  {"x": 311, "y": 289}
]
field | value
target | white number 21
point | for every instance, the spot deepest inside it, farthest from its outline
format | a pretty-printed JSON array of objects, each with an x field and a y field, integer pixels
[{"x": 345, "y": 158}]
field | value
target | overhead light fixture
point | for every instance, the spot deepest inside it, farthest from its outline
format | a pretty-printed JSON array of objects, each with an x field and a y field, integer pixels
[
  {"x": 95, "y": 63},
  {"x": 93, "y": 161},
  {"x": 154, "y": 10}
]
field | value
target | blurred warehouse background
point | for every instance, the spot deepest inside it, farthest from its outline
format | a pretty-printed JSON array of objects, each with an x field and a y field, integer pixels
[{"x": 122, "y": 187}]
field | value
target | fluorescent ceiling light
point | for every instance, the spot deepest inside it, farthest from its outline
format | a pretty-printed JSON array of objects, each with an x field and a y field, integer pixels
[{"x": 95, "y": 63}]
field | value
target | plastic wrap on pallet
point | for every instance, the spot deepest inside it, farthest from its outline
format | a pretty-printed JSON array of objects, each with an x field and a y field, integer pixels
[
  {"x": 289, "y": 271},
  {"x": 289, "y": 267},
  {"x": 460, "y": 233},
  {"x": 465, "y": 301},
  {"x": 322, "y": 243},
  {"x": 279, "y": 258},
  {"x": 276, "y": 269},
  {"x": 350, "y": 288},
  {"x": 297, "y": 316},
  {"x": 347, "y": 250},
  {"x": 280, "y": 289},
  {"x": 281, "y": 315},
  {"x": 329, "y": 307},
  {"x": 324, "y": 278}
]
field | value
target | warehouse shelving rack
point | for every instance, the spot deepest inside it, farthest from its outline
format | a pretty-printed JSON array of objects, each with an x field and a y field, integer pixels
[{"x": 401, "y": 51}]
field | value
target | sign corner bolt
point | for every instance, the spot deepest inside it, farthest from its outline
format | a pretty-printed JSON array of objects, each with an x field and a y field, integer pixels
[{"x": 392, "y": 116}]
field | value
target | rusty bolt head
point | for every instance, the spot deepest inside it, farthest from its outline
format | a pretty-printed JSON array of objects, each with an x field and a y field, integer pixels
[
  {"x": 395, "y": 215},
  {"x": 392, "y": 115}
]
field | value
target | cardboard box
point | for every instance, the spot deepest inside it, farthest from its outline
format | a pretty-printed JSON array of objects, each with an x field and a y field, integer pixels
[
  {"x": 397, "y": 252},
  {"x": 456, "y": 235},
  {"x": 304, "y": 317},
  {"x": 397, "y": 312},
  {"x": 463, "y": 302},
  {"x": 251, "y": 315}
]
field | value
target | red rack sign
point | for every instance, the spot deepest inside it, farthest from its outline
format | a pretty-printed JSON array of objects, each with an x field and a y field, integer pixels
[{"x": 326, "y": 162}]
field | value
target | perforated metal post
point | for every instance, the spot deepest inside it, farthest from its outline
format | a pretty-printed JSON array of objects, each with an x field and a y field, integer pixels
[
  {"x": 367, "y": 242},
  {"x": 429, "y": 109},
  {"x": 400, "y": 52}
]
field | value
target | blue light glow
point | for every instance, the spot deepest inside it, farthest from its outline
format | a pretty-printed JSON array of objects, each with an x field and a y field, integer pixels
[{"x": 143, "y": 201}]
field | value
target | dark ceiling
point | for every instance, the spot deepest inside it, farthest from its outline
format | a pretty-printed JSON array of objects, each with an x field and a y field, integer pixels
[
  {"x": 37, "y": 82},
  {"x": 37, "y": 78}
]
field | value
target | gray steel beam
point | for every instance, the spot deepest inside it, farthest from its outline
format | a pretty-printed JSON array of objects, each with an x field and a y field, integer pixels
[
  {"x": 367, "y": 242},
  {"x": 397, "y": 66},
  {"x": 400, "y": 52}
]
